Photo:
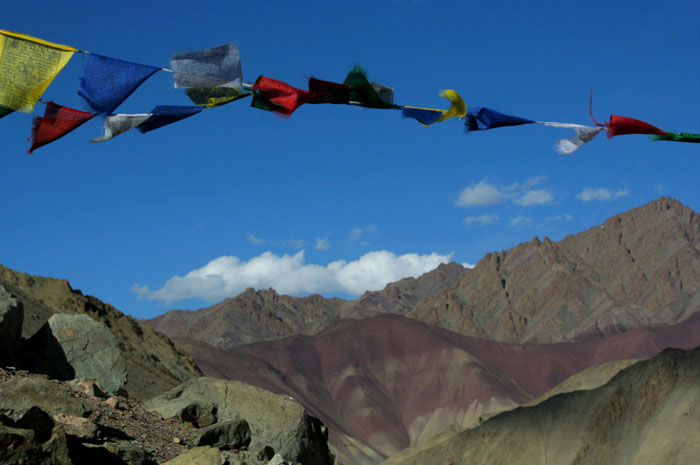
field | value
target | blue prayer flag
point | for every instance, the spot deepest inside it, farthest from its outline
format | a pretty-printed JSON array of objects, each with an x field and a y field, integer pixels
[
  {"x": 424, "y": 116},
  {"x": 162, "y": 115},
  {"x": 485, "y": 118},
  {"x": 107, "y": 82}
]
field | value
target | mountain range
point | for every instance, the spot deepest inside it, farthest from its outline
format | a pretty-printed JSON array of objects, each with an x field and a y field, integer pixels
[{"x": 449, "y": 349}]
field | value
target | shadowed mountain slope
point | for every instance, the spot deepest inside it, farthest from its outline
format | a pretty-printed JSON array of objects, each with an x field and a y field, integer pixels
[
  {"x": 648, "y": 414},
  {"x": 154, "y": 364},
  {"x": 639, "y": 268},
  {"x": 385, "y": 383}
]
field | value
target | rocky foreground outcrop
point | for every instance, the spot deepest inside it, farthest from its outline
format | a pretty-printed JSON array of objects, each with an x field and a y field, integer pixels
[
  {"x": 278, "y": 423},
  {"x": 153, "y": 363},
  {"x": 44, "y": 421}
]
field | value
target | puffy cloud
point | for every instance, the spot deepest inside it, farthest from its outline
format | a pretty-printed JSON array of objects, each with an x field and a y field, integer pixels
[
  {"x": 322, "y": 244},
  {"x": 522, "y": 193},
  {"x": 289, "y": 274},
  {"x": 601, "y": 194},
  {"x": 480, "y": 193},
  {"x": 534, "y": 197},
  {"x": 481, "y": 219}
]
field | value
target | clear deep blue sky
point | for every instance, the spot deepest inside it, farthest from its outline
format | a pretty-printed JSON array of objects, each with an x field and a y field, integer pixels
[{"x": 251, "y": 199}]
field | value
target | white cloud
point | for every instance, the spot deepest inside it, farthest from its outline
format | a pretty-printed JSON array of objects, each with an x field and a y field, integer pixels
[
  {"x": 601, "y": 194},
  {"x": 255, "y": 240},
  {"x": 480, "y": 193},
  {"x": 484, "y": 193},
  {"x": 356, "y": 233},
  {"x": 288, "y": 274},
  {"x": 534, "y": 197},
  {"x": 322, "y": 244},
  {"x": 520, "y": 221},
  {"x": 564, "y": 217},
  {"x": 481, "y": 219}
]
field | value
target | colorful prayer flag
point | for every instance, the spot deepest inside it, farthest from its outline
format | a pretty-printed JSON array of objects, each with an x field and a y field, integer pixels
[
  {"x": 486, "y": 118},
  {"x": 328, "y": 92},
  {"x": 118, "y": 124},
  {"x": 428, "y": 116},
  {"x": 162, "y": 115},
  {"x": 214, "y": 96},
  {"x": 107, "y": 82},
  {"x": 368, "y": 95},
  {"x": 27, "y": 67},
  {"x": 56, "y": 123},
  {"x": 620, "y": 125},
  {"x": 214, "y": 67},
  {"x": 285, "y": 98},
  {"x": 676, "y": 137}
]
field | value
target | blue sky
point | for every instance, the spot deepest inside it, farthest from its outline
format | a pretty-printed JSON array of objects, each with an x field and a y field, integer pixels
[{"x": 337, "y": 199}]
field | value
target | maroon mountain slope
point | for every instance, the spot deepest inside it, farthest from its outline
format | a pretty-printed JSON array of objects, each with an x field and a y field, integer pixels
[
  {"x": 384, "y": 383},
  {"x": 640, "y": 268}
]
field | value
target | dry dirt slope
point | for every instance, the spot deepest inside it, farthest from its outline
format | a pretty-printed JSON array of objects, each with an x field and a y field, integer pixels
[
  {"x": 647, "y": 414},
  {"x": 382, "y": 384}
]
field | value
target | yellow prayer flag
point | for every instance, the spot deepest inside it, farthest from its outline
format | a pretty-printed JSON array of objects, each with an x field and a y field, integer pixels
[
  {"x": 27, "y": 67},
  {"x": 429, "y": 116},
  {"x": 458, "y": 107}
]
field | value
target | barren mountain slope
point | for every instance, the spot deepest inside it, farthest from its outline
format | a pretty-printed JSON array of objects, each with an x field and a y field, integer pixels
[
  {"x": 640, "y": 268},
  {"x": 647, "y": 414},
  {"x": 384, "y": 383},
  {"x": 154, "y": 364}
]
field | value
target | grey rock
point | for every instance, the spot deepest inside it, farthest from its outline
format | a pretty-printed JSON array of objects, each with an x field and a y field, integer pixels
[
  {"x": 277, "y": 459},
  {"x": 18, "y": 395},
  {"x": 76, "y": 346},
  {"x": 199, "y": 456},
  {"x": 226, "y": 435},
  {"x": 200, "y": 415},
  {"x": 274, "y": 420},
  {"x": 87, "y": 386},
  {"x": 11, "y": 318},
  {"x": 20, "y": 445}
]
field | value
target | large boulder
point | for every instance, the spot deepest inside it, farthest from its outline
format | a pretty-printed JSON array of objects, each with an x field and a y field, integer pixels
[
  {"x": 19, "y": 395},
  {"x": 11, "y": 317},
  {"x": 76, "y": 346},
  {"x": 275, "y": 421}
]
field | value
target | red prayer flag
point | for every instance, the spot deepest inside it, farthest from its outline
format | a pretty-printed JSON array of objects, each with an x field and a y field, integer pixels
[
  {"x": 287, "y": 97},
  {"x": 56, "y": 123},
  {"x": 328, "y": 92},
  {"x": 619, "y": 125}
]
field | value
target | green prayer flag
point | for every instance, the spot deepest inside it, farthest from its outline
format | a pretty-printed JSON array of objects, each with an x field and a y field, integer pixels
[
  {"x": 214, "y": 96},
  {"x": 676, "y": 137},
  {"x": 363, "y": 92},
  {"x": 263, "y": 103}
]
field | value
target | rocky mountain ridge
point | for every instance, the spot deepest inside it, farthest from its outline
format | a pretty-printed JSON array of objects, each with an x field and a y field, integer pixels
[{"x": 639, "y": 268}]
